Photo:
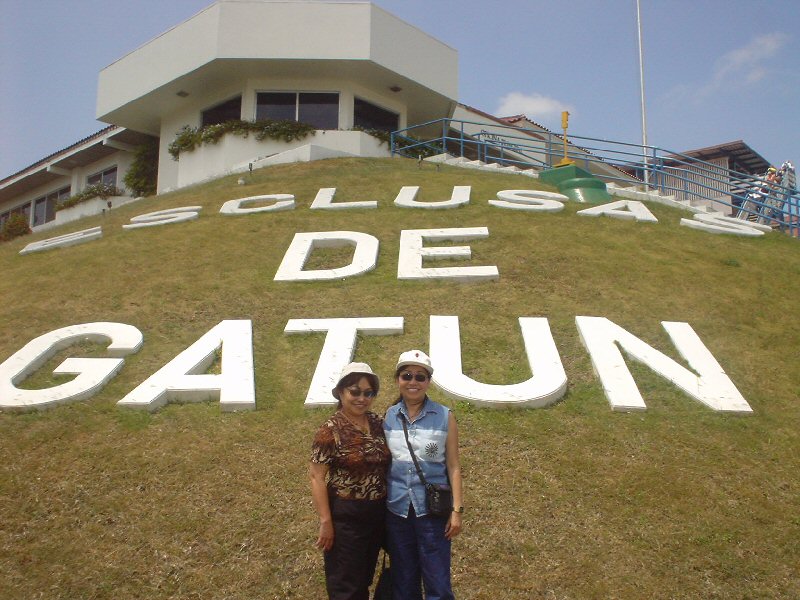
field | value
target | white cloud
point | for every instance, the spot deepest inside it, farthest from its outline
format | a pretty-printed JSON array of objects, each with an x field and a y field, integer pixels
[
  {"x": 745, "y": 65},
  {"x": 534, "y": 106}
]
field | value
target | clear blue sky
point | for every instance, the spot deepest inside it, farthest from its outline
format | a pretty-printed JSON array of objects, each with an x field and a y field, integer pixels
[{"x": 715, "y": 70}]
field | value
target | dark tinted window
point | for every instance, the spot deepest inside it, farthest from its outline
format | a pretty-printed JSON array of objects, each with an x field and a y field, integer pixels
[
  {"x": 227, "y": 111},
  {"x": 277, "y": 106},
  {"x": 320, "y": 110},
  {"x": 368, "y": 116},
  {"x": 109, "y": 177},
  {"x": 44, "y": 208}
]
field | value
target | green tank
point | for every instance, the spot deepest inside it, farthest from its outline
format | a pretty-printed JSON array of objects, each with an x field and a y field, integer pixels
[{"x": 576, "y": 184}]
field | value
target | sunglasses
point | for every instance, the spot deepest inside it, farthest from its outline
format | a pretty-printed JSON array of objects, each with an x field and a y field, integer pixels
[
  {"x": 415, "y": 376},
  {"x": 357, "y": 393}
]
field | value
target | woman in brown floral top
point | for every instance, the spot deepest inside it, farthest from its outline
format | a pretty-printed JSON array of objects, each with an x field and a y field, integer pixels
[{"x": 349, "y": 460}]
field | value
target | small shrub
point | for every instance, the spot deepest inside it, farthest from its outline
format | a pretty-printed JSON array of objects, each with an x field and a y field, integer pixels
[
  {"x": 16, "y": 226},
  {"x": 401, "y": 142},
  {"x": 101, "y": 190},
  {"x": 141, "y": 178},
  {"x": 188, "y": 138}
]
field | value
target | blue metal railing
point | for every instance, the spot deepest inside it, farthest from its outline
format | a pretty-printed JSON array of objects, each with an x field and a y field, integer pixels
[{"x": 741, "y": 195}]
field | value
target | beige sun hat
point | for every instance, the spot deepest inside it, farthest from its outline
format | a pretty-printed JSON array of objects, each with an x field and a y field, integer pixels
[
  {"x": 415, "y": 357},
  {"x": 360, "y": 368}
]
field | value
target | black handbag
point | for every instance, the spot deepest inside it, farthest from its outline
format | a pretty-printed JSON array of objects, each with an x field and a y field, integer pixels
[
  {"x": 383, "y": 589},
  {"x": 438, "y": 496}
]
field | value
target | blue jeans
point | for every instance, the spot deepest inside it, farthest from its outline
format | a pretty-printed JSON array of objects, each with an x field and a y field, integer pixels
[{"x": 419, "y": 552}]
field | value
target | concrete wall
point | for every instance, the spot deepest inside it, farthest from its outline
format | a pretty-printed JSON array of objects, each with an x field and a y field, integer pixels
[
  {"x": 413, "y": 53},
  {"x": 232, "y": 153},
  {"x": 90, "y": 208}
]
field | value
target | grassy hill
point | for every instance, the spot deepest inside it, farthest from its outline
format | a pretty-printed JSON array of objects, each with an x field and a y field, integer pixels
[{"x": 571, "y": 501}]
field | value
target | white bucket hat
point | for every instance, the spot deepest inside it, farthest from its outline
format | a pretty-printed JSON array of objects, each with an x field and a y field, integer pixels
[
  {"x": 360, "y": 368},
  {"x": 415, "y": 357}
]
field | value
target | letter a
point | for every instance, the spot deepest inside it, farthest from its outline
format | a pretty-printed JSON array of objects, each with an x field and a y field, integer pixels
[{"x": 185, "y": 379}]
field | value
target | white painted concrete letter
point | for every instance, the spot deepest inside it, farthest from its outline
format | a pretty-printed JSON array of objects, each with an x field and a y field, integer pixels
[
  {"x": 184, "y": 378},
  {"x": 92, "y": 373},
  {"x": 164, "y": 217},
  {"x": 547, "y": 385},
  {"x": 412, "y": 252},
  {"x": 628, "y": 210},
  {"x": 365, "y": 256},
  {"x": 324, "y": 201},
  {"x": 281, "y": 202},
  {"x": 407, "y": 198},
  {"x": 721, "y": 224},
  {"x": 713, "y": 387},
  {"x": 339, "y": 348},
  {"x": 70, "y": 239},
  {"x": 532, "y": 200}
]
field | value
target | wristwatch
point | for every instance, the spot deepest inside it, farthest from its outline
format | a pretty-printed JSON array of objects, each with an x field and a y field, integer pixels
[{"x": 458, "y": 509}]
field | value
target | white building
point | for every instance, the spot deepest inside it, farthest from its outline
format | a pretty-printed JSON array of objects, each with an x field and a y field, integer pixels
[
  {"x": 339, "y": 66},
  {"x": 34, "y": 191}
]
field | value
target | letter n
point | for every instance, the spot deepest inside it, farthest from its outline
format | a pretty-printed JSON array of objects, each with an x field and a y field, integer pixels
[{"x": 712, "y": 386}]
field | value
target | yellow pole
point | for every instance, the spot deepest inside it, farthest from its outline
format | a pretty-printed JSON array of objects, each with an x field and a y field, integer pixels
[{"x": 564, "y": 125}]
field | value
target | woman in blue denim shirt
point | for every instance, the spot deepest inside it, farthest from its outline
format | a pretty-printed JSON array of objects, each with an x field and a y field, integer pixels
[{"x": 418, "y": 542}]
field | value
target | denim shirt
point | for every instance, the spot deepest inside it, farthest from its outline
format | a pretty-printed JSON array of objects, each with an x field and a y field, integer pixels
[{"x": 428, "y": 436}]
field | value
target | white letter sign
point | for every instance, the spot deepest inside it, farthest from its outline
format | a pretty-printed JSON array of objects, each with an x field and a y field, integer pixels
[
  {"x": 412, "y": 251},
  {"x": 164, "y": 217},
  {"x": 365, "y": 256},
  {"x": 70, "y": 239},
  {"x": 324, "y": 201},
  {"x": 627, "y": 210},
  {"x": 185, "y": 379},
  {"x": 407, "y": 198},
  {"x": 547, "y": 385},
  {"x": 532, "y": 200},
  {"x": 713, "y": 387},
  {"x": 339, "y": 348},
  {"x": 234, "y": 207},
  {"x": 92, "y": 373},
  {"x": 711, "y": 223}
]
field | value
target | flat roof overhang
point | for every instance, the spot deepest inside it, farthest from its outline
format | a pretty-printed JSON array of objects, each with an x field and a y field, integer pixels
[
  {"x": 60, "y": 164},
  {"x": 742, "y": 154},
  {"x": 144, "y": 113},
  {"x": 230, "y": 41}
]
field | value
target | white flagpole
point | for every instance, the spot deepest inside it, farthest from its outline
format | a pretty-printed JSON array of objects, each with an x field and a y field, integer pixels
[{"x": 641, "y": 86}]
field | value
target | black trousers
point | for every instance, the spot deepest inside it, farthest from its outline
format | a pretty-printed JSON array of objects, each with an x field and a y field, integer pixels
[{"x": 358, "y": 530}]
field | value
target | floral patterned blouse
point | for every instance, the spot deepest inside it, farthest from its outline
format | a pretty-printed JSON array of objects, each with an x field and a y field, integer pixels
[{"x": 357, "y": 461}]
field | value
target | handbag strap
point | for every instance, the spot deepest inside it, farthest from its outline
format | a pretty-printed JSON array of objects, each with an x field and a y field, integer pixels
[{"x": 411, "y": 450}]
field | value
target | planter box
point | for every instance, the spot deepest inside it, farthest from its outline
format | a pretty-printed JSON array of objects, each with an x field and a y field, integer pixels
[
  {"x": 233, "y": 154},
  {"x": 90, "y": 208}
]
